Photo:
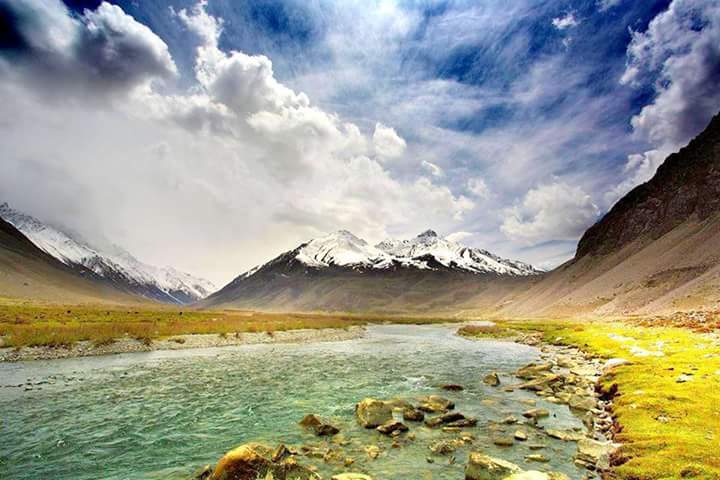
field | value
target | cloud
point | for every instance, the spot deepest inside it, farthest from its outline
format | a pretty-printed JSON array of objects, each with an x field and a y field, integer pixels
[
  {"x": 478, "y": 187},
  {"x": 239, "y": 167},
  {"x": 388, "y": 144},
  {"x": 554, "y": 211},
  {"x": 101, "y": 52},
  {"x": 604, "y": 5},
  {"x": 434, "y": 170},
  {"x": 679, "y": 57},
  {"x": 459, "y": 237},
  {"x": 568, "y": 21}
]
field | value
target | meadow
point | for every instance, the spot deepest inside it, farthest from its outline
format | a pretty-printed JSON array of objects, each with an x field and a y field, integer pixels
[
  {"x": 667, "y": 403},
  {"x": 27, "y": 324}
]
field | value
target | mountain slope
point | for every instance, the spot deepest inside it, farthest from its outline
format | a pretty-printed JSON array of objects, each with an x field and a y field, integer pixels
[
  {"x": 116, "y": 266},
  {"x": 28, "y": 272},
  {"x": 342, "y": 272},
  {"x": 656, "y": 251}
]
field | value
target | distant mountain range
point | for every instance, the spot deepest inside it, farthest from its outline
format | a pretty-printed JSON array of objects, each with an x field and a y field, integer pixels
[
  {"x": 340, "y": 271},
  {"x": 118, "y": 267}
]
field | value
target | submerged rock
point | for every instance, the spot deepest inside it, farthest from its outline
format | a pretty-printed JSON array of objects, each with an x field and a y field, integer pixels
[
  {"x": 388, "y": 428},
  {"x": 435, "y": 404},
  {"x": 492, "y": 379},
  {"x": 483, "y": 467},
  {"x": 453, "y": 387},
  {"x": 318, "y": 426},
  {"x": 536, "y": 413},
  {"x": 444, "y": 419},
  {"x": 412, "y": 414},
  {"x": 371, "y": 413}
]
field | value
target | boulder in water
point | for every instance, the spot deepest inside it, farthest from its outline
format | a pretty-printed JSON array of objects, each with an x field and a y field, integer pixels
[
  {"x": 492, "y": 379},
  {"x": 371, "y": 413},
  {"x": 388, "y": 428},
  {"x": 443, "y": 419},
  {"x": 253, "y": 460},
  {"x": 317, "y": 425},
  {"x": 435, "y": 404},
  {"x": 483, "y": 467},
  {"x": 412, "y": 414}
]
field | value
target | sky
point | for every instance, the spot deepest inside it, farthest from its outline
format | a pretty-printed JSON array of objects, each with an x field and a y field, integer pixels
[{"x": 214, "y": 135}]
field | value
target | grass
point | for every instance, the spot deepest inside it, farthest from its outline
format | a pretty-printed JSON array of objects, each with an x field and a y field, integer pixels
[
  {"x": 26, "y": 324},
  {"x": 670, "y": 430},
  {"x": 487, "y": 331}
]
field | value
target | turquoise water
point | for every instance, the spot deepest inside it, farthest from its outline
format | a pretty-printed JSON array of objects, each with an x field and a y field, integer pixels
[{"x": 161, "y": 415}]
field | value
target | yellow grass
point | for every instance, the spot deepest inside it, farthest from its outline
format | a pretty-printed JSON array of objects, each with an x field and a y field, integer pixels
[
  {"x": 670, "y": 430},
  {"x": 30, "y": 324}
]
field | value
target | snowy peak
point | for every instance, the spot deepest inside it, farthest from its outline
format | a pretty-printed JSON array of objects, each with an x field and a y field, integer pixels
[
  {"x": 427, "y": 251},
  {"x": 341, "y": 248},
  {"x": 114, "y": 264}
]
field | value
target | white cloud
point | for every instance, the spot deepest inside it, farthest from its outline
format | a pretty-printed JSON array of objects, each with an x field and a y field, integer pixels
[
  {"x": 459, "y": 237},
  {"x": 433, "y": 169},
  {"x": 555, "y": 211},
  {"x": 604, "y": 5},
  {"x": 478, "y": 187},
  {"x": 388, "y": 144},
  {"x": 255, "y": 169},
  {"x": 679, "y": 56},
  {"x": 568, "y": 21}
]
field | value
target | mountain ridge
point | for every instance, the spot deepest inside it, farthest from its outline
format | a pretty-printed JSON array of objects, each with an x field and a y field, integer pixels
[{"x": 119, "y": 267}]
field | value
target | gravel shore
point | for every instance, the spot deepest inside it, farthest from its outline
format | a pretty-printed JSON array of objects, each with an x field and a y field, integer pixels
[{"x": 180, "y": 342}]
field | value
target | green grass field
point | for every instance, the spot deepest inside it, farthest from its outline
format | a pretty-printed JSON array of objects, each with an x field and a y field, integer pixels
[
  {"x": 670, "y": 428},
  {"x": 31, "y": 324}
]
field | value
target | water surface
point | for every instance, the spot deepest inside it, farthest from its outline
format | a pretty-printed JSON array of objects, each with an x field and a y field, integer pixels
[{"x": 161, "y": 415}]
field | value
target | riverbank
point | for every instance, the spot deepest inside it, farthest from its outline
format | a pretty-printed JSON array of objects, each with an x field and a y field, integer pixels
[
  {"x": 179, "y": 342},
  {"x": 665, "y": 389}
]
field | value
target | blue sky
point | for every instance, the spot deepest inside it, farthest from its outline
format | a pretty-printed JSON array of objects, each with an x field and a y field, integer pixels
[{"x": 512, "y": 126}]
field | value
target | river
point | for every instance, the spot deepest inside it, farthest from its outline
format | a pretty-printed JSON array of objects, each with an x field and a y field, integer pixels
[{"x": 162, "y": 415}]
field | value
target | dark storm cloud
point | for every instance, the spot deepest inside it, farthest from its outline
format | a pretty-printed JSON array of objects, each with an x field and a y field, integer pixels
[{"x": 102, "y": 51}]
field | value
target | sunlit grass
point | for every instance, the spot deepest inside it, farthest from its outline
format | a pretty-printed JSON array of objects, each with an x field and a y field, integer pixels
[
  {"x": 670, "y": 430},
  {"x": 27, "y": 324}
]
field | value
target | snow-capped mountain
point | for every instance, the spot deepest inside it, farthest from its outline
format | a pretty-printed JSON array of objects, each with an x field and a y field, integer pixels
[
  {"x": 344, "y": 272},
  {"x": 427, "y": 251},
  {"x": 164, "y": 284}
]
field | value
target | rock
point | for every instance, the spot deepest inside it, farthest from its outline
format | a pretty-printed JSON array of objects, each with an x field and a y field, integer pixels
[
  {"x": 533, "y": 475},
  {"x": 615, "y": 362},
  {"x": 563, "y": 435},
  {"x": 372, "y": 413},
  {"x": 321, "y": 428},
  {"x": 532, "y": 370},
  {"x": 536, "y": 446},
  {"x": 463, "y": 423},
  {"x": 391, "y": 427},
  {"x": 351, "y": 476},
  {"x": 443, "y": 419},
  {"x": 435, "y": 404},
  {"x": 453, "y": 387},
  {"x": 594, "y": 454},
  {"x": 580, "y": 402},
  {"x": 520, "y": 435},
  {"x": 536, "y": 413},
  {"x": 280, "y": 453},
  {"x": 412, "y": 414},
  {"x": 203, "y": 474},
  {"x": 543, "y": 383},
  {"x": 683, "y": 378},
  {"x": 373, "y": 451},
  {"x": 510, "y": 420},
  {"x": 443, "y": 447},
  {"x": 536, "y": 457},
  {"x": 483, "y": 467},
  {"x": 253, "y": 460},
  {"x": 492, "y": 379},
  {"x": 504, "y": 441}
]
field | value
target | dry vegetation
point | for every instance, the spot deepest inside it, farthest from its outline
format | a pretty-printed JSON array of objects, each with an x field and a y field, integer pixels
[{"x": 31, "y": 324}]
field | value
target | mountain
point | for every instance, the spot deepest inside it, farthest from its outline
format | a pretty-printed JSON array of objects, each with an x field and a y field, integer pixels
[
  {"x": 657, "y": 251},
  {"x": 342, "y": 272},
  {"x": 115, "y": 265},
  {"x": 28, "y": 272}
]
